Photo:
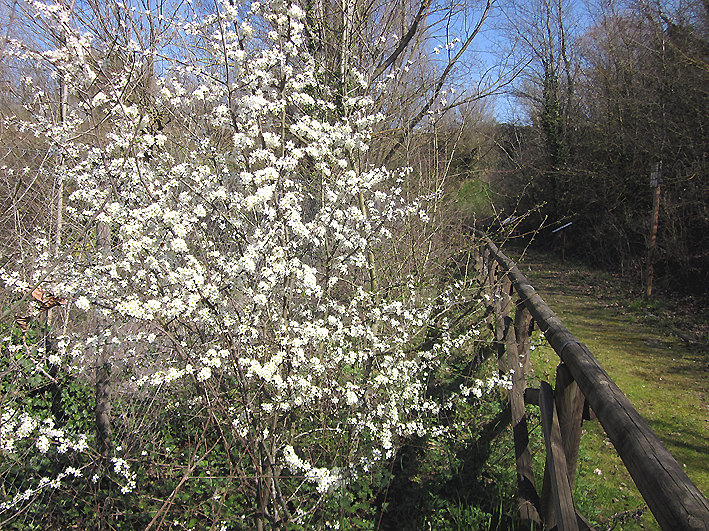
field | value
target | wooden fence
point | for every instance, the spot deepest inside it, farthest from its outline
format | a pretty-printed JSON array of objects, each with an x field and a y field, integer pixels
[{"x": 581, "y": 385}]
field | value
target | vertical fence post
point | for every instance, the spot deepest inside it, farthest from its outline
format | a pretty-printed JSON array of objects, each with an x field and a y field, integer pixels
[
  {"x": 523, "y": 322},
  {"x": 564, "y": 513},
  {"x": 503, "y": 322},
  {"x": 568, "y": 401},
  {"x": 569, "y": 405},
  {"x": 517, "y": 343}
]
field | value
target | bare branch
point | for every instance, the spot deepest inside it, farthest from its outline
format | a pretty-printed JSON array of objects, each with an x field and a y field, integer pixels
[{"x": 404, "y": 42}]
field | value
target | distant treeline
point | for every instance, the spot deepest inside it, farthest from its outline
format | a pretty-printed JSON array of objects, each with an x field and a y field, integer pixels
[{"x": 631, "y": 92}]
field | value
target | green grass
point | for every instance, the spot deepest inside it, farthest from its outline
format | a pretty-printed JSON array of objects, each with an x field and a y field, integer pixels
[
  {"x": 664, "y": 377},
  {"x": 474, "y": 196}
]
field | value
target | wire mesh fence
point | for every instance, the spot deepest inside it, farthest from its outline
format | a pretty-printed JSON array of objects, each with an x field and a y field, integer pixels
[{"x": 28, "y": 193}]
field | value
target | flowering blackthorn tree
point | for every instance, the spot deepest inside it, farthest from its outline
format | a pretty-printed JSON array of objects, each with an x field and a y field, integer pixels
[{"x": 228, "y": 234}]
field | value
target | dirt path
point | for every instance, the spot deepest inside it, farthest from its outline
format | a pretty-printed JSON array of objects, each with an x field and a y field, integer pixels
[{"x": 665, "y": 377}]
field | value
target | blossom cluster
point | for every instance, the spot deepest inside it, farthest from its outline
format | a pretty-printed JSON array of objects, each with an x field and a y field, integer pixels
[
  {"x": 31, "y": 493},
  {"x": 326, "y": 480},
  {"x": 17, "y": 426},
  {"x": 22, "y": 434}
]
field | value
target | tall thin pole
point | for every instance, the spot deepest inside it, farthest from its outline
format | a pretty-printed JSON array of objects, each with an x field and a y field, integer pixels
[
  {"x": 654, "y": 222},
  {"x": 655, "y": 182}
]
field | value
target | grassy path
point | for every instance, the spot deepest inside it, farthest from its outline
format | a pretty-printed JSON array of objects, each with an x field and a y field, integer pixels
[{"x": 665, "y": 377}]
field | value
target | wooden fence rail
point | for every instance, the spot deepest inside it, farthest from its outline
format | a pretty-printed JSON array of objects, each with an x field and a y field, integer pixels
[{"x": 581, "y": 383}]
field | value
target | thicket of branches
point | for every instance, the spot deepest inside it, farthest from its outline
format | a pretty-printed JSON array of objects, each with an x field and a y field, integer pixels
[{"x": 606, "y": 102}]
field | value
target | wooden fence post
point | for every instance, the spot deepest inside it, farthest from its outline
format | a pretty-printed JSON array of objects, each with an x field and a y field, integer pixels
[
  {"x": 501, "y": 304},
  {"x": 569, "y": 402},
  {"x": 517, "y": 343},
  {"x": 563, "y": 503},
  {"x": 569, "y": 405}
]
